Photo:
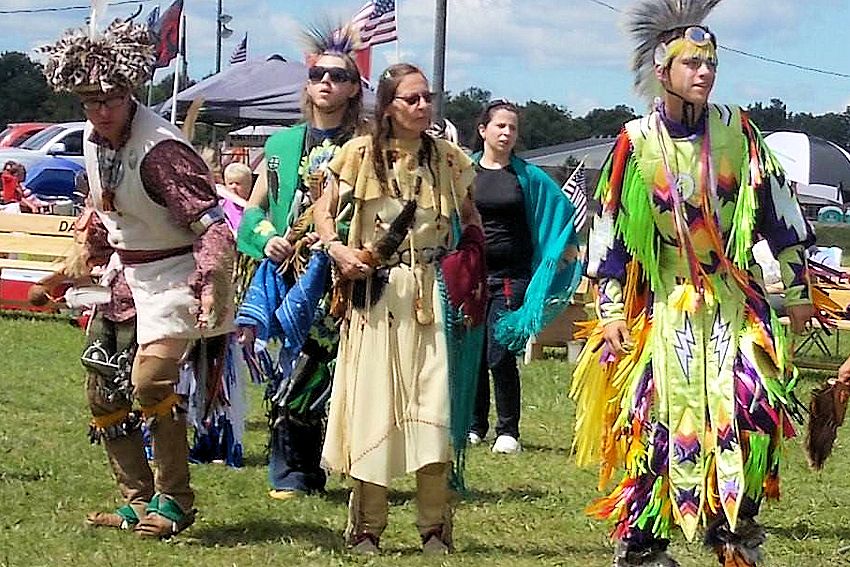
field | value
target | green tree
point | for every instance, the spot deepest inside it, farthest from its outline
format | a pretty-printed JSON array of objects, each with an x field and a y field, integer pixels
[
  {"x": 463, "y": 111},
  {"x": 608, "y": 121},
  {"x": 769, "y": 118},
  {"x": 23, "y": 89},
  {"x": 26, "y": 95},
  {"x": 162, "y": 90},
  {"x": 546, "y": 124},
  {"x": 830, "y": 126}
]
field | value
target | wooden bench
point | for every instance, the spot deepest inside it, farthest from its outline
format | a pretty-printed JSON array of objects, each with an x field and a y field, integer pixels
[{"x": 31, "y": 246}]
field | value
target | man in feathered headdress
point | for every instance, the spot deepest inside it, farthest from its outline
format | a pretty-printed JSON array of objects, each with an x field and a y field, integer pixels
[
  {"x": 276, "y": 228},
  {"x": 154, "y": 196},
  {"x": 694, "y": 393}
]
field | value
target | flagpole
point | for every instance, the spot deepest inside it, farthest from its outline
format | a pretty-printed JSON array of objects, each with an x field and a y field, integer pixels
[
  {"x": 439, "y": 59},
  {"x": 150, "y": 88},
  {"x": 397, "y": 34},
  {"x": 177, "y": 65}
]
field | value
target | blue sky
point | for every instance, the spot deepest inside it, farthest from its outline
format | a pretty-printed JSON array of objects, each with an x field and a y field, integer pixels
[{"x": 567, "y": 52}]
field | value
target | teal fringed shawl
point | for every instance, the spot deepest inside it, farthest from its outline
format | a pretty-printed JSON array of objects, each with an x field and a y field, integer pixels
[
  {"x": 551, "y": 216},
  {"x": 464, "y": 345}
]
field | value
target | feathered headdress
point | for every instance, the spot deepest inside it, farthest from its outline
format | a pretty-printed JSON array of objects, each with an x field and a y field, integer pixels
[
  {"x": 121, "y": 58},
  {"x": 650, "y": 23},
  {"x": 329, "y": 39}
]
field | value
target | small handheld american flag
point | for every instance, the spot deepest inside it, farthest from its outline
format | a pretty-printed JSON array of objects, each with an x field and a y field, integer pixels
[{"x": 575, "y": 189}]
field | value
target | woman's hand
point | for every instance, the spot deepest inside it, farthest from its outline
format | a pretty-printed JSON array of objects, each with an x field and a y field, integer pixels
[
  {"x": 349, "y": 261},
  {"x": 278, "y": 249},
  {"x": 617, "y": 338},
  {"x": 310, "y": 238}
]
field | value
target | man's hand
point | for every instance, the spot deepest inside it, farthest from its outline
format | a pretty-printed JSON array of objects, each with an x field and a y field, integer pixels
[
  {"x": 348, "y": 261},
  {"x": 617, "y": 338},
  {"x": 278, "y": 249},
  {"x": 800, "y": 315},
  {"x": 207, "y": 314}
]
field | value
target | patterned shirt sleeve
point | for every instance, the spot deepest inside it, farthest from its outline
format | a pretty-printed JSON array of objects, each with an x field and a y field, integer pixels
[
  {"x": 97, "y": 242},
  {"x": 177, "y": 178},
  {"x": 780, "y": 219}
]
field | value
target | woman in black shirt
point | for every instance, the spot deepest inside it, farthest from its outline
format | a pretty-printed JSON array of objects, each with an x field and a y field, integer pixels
[{"x": 509, "y": 251}]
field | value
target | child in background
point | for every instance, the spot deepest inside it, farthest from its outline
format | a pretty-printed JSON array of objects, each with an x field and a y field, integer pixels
[{"x": 234, "y": 195}]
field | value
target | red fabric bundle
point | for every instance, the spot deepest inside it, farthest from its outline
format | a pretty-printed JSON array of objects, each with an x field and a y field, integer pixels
[{"x": 465, "y": 275}]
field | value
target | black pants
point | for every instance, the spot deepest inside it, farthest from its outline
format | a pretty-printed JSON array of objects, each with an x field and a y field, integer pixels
[
  {"x": 506, "y": 294},
  {"x": 294, "y": 455}
]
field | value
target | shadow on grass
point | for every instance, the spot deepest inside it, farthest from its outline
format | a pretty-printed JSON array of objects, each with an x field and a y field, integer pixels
[
  {"x": 532, "y": 448},
  {"x": 267, "y": 530},
  {"x": 255, "y": 459},
  {"x": 483, "y": 550},
  {"x": 274, "y": 531},
  {"x": 538, "y": 552}
]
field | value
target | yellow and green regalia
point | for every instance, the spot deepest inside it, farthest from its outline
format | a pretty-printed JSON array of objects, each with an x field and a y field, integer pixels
[{"x": 697, "y": 410}]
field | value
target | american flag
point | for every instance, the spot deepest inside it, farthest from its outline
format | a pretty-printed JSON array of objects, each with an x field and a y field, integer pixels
[
  {"x": 240, "y": 54},
  {"x": 576, "y": 189},
  {"x": 376, "y": 22}
]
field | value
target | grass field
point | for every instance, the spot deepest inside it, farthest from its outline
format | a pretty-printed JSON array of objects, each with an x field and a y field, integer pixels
[{"x": 522, "y": 510}]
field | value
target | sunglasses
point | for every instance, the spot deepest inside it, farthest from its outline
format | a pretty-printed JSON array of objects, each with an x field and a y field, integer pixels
[
  {"x": 413, "y": 99},
  {"x": 335, "y": 74},
  {"x": 110, "y": 103},
  {"x": 499, "y": 103},
  {"x": 698, "y": 35}
]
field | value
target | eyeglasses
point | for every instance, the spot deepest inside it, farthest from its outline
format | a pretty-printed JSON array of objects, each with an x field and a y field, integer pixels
[
  {"x": 335, "y": 74},
  {"x": 110, "y": 103},
  {"x": 413, "y": 99}
]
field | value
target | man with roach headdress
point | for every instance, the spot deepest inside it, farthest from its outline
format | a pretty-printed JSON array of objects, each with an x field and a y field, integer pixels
[
  {"x": 276, "y": 229},
  {"x": 686, "y": 381},
  {"x": 153, "y": 195}
]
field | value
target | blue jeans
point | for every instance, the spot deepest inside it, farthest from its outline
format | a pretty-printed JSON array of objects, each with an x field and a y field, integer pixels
[{"x": 505, "y": 294}]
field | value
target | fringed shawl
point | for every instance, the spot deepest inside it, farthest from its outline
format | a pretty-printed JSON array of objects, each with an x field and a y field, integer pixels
[{"x": 555, "y": 276}]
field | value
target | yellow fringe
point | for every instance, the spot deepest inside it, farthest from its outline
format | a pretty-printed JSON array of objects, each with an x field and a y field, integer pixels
[{"x": 598, "y": 389}]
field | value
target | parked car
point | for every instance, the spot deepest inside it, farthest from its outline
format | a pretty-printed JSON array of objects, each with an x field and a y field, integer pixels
[
  {"x": 15, "y": 134},
  {"x": 60, "y": 140}
]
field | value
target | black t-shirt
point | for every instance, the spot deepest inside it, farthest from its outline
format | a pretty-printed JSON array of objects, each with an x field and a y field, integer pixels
[{"x": 508, "y": 247}]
